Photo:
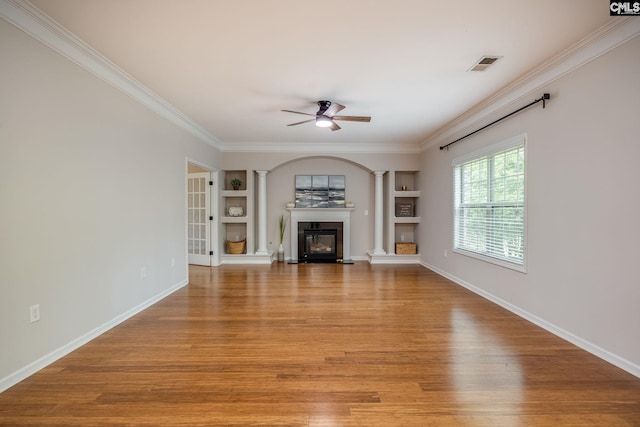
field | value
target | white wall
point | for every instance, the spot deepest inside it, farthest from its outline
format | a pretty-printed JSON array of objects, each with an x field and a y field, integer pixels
[
  {"x": 582, "y": 204},
  {"x": 92, "y": 189}
]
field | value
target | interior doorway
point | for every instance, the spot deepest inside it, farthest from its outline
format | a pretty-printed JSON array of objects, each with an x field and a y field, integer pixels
[{"x": 200, "y": 218}]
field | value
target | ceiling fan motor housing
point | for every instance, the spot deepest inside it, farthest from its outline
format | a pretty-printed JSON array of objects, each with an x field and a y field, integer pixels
[{"x": 324, "y": 105}]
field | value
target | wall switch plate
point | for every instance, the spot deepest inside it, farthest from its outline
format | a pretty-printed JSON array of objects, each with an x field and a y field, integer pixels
[
  {"x": 366, "y": 212},
  {"x": 143, "y": 273},
  {"x": 34, "y": 313}
]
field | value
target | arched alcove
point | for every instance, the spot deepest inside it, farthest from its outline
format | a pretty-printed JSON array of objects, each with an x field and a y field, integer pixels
[
  {"x": 359, "y": 189},
  {"x": 321, "y": 157}
]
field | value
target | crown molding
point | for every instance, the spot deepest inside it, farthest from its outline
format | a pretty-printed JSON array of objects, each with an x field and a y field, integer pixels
[
  {"x": 601, "y": 41},
  {"x": 319, "y": 148},
  {"x": 32, "y": 21}
]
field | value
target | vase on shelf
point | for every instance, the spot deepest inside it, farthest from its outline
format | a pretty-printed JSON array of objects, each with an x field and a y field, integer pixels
[{"x": 282, "y": 224}]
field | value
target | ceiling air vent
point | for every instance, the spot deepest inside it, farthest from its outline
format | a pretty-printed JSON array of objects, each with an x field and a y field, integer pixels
[{"x": 484, "y": 63}]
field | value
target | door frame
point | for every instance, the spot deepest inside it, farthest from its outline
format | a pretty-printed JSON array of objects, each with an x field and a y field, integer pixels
[{"x": 213, "y": 234}]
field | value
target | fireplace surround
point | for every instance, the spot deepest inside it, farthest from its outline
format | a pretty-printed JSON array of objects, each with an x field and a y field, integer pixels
[{"x": 332, "y": 219}]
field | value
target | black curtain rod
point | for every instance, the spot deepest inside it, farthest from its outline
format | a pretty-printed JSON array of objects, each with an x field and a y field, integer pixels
[{"x": 543, "y": 98}]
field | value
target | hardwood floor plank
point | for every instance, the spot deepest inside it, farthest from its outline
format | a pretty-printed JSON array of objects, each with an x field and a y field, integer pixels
[{"x": 325, "y": 344}]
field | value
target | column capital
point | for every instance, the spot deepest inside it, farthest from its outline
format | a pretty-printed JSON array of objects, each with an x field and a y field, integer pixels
[
  {"x": 262, "y": 172},
  {"x": 379, "y": 173}
]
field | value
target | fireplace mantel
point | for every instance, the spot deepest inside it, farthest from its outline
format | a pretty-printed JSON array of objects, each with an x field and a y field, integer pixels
[{"x": 342, "y": 215}]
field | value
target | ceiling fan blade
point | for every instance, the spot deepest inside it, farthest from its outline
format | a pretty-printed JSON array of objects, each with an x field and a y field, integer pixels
[
  {"x": 298, "y": 112},
  {"x": 352, "y": 118},
  {"x": 334, "y": 126},
  {"x": 304, "y": 121},
  {"x": 334, "y": 108}
]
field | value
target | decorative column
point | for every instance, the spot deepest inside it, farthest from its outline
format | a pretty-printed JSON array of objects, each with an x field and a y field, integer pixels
[
  {"x": 262, "y": 213},
  {"x": 378, "y": 214}
]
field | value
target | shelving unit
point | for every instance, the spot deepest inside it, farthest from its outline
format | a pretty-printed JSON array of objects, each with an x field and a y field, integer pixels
[
  {"x": 403, "y": 217},
  {"x": 406, "y": 217},
  {"x": 239, "y": 224}
]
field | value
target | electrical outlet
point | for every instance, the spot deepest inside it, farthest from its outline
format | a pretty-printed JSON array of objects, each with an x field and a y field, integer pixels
[
  {"x": 173, "y": 261},
  {"x": 34, "y": 313},
  {"x": 446, "y": 253},
  {"x": 143, "y": 273}
]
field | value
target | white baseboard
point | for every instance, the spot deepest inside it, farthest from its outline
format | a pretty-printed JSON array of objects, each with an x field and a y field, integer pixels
[
  {"x": 32, "y": 368},
  {"x": 392, "y": 258},
  {"x": 600, "y": 352},
  {"x": 242, "y": 259}
]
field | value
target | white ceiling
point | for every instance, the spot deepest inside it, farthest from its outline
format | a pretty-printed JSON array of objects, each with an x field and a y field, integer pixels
[{"x": 231, "y": 66}]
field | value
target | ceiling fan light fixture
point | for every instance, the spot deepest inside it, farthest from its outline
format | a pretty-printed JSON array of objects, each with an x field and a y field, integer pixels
[
  {"x": 326, "y": 116},
  {"x": 323, "y": 122}
]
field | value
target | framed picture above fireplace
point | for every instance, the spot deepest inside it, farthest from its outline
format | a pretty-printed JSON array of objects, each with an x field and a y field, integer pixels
[{"x": 320, "y": 191}]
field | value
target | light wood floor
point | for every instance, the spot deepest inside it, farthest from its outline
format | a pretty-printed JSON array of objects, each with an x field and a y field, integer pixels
[{"x": 325, "y": 345}]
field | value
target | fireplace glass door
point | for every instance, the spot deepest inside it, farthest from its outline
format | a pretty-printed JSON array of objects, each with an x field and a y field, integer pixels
[{"x": 320, "y": 245}]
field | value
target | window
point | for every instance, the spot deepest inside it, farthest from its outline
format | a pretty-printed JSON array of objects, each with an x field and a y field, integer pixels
[{"x": 489, "y": 204}]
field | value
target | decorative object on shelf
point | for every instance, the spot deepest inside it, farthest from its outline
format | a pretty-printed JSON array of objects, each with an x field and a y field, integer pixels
[
  {"x": 404, "y": 188},
  {"x": 235, "y": 211},
  {"x": 350, "y": 205},
  {"x": 291, "y": 205},
  {"x": 404, "y": 209},
  {"x": 236, "y": 183},
  {"x": 283, "y": 226},
  {"x": 406, "y": 248},
  {"x": 236, "y": 248}
]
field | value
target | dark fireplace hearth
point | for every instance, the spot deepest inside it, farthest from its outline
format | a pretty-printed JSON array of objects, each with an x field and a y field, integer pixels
[{"x": 319, "y": 242}]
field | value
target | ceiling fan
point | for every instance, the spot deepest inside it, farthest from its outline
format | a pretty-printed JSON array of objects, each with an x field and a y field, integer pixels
[{"x": 326, "y": 116}]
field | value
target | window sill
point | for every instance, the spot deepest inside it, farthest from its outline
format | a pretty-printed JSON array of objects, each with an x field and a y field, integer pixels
[{"x": 491, "y": 260}]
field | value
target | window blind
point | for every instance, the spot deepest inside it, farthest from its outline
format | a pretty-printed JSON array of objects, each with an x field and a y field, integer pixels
[{"x": 489, "y": 205}]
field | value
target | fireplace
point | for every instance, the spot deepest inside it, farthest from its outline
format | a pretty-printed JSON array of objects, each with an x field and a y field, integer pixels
[
  {"x": 337, "y": 219},
  {"x": 319, "y": 244}
]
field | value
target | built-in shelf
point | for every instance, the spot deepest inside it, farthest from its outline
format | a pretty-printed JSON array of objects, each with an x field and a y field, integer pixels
[
  {"x": 234, "y": 193},
  {"x": 413, "y": 193},
  {"x": 406, "y": 220},
  {"x": 404, "y": 217},
  {"x": 236, "y": 228},
  {"x": 250, "y": 258},
  {"x": 233, "y": 219},
  {"x": 392, "y": 258}
]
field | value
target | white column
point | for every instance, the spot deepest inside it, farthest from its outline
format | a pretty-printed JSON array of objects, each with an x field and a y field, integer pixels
[
  {"x": 378, "y": 214},
  {"x": 262, "y": 213}
]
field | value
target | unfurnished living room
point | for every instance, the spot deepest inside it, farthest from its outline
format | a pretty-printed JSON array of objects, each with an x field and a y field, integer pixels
[{"x": 407, "y": 213}]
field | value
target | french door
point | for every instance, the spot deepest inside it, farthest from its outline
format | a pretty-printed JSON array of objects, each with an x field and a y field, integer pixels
[{"x": 198, "y": 213}]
